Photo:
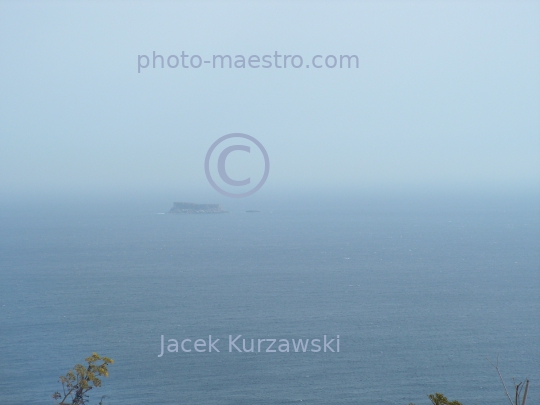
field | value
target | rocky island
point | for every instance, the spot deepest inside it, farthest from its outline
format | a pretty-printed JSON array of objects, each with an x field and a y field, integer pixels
[{"x": 191, "y": 208}]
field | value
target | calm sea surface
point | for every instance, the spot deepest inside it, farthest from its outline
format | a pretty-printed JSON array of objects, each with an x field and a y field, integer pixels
[{"x": 420, "y": 294}]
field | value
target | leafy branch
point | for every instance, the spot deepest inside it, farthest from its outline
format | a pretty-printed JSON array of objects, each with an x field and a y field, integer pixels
[
  {"x": 440, "y": 399},
  {"x": 78, "y": 381}
]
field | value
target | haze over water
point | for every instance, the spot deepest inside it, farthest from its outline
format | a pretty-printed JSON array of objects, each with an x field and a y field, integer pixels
[{"x": 420, "y": 292}]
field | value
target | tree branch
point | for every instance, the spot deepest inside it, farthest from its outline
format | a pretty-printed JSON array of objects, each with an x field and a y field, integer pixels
[
  {"x": 525, "y": 392},
  {"x": 500, "y": 376}
]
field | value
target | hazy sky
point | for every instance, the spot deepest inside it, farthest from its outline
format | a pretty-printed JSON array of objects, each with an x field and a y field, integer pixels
[{"x": 447, "y": 94}]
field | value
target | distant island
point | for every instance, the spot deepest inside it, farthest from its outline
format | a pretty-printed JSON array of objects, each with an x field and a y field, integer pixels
[{"x": 191, "y": 208}]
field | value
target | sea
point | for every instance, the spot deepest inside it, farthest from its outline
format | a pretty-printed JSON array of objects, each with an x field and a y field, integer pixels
[{"x": 423, "y": 291}]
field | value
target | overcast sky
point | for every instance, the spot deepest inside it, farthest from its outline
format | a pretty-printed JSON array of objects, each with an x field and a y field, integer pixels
[{"x": 447, "y": 94}]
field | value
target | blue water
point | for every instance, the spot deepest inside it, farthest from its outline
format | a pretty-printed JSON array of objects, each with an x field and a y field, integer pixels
[{"x": 420, "y": 293}]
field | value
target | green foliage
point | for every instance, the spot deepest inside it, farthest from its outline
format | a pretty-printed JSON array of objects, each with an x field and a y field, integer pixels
[
  {"x": 78, "y": 381},
  {"x": 440, "y": 399}
]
